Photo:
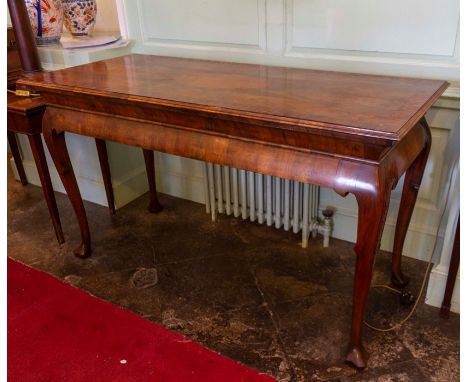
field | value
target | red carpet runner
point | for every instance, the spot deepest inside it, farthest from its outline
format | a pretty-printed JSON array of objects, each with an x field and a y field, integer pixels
[{"x": 60, "y": 333}]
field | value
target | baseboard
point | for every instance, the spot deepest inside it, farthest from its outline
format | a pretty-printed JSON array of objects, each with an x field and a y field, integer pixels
[
  {"x": 134, "y": 184},
  {"x": 90, "y": 190},
  {"x": 173, "y": 183},
  {"x": 127, "y": 188},
  {"x": 436, "y": 290},
  {"x": 418, "y": 243}
]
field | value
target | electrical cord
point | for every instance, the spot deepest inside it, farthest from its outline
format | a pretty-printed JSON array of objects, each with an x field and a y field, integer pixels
[
  {"x": 426, "y": 274},
  {"x": 23, "y": 93}
]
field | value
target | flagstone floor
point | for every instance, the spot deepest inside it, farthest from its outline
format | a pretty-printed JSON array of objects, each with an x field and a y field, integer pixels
[{"x": 247, "y": 291}]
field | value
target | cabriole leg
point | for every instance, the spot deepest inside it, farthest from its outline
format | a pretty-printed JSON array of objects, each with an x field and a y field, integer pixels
[
  {"x": 58, "y": 150},
  {"x": 106, "y": 175},
  {"x": 372, "y": 214},
  {"x": 44, "y": 176},
  {"x": 411, "y": 185}
]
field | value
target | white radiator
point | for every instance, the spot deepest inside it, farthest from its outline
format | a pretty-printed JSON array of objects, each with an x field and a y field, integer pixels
[{"x": 266, "y": 199}]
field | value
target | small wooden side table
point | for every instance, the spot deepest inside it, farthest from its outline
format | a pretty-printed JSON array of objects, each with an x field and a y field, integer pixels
[
  {"x": 14, "y": 72},
  {"x": 25, "y": 117}
]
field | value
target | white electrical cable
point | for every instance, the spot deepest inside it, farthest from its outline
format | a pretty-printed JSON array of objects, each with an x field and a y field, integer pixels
[
  {"x": 426, "y": 275},
  {"x": 23, "y": 93}
]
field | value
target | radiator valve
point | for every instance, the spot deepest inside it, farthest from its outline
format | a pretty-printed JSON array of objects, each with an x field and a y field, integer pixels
[
  {"x": 323, "y": 227},
  {"x": 327, "y": 226}
]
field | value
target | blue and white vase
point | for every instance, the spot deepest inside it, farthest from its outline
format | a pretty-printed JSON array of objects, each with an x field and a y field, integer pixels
[
  {"x": 46, "y": 18},
  {"x": 80, "y": 16}
]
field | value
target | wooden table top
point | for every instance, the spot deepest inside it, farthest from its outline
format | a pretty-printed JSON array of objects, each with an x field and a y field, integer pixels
[{"x": 367, "y": 105}]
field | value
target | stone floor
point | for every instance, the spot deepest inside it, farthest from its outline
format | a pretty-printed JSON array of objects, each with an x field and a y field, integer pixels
[{"x": 246, "y": 291}]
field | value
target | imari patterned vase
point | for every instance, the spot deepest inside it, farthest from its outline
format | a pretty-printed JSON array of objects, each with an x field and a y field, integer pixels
[
  {"x": 46, "y": 18},
  {"x": 80, "y": 16}
]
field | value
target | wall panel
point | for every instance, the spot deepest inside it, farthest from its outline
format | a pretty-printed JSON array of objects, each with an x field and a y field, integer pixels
[
  {"x": 427, "y": 27},
  {"x": 203, "y": 22}
]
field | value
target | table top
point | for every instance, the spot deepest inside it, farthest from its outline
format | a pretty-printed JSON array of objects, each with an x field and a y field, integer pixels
[{"x": 359, "y": 104}]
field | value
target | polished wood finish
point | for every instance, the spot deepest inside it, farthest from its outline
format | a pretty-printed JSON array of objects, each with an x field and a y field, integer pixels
[
  {"x": 350, "y": 132},
  {"x": 452, "y": 275},
  {"x": 413, "y": 179},
  {"x": 59, "y": 153},
  {"x": 17, "y": 157},
  {"x": 292, "y": 99},
  {"x": 37, "y": 149},
  {"x": 154, "y": 206},
  {"x": 106, "y": 175},
  {"x": 27, "y": 49},
  {"x": 14, "y": 71},
  {"x": 25, "y": 116}
]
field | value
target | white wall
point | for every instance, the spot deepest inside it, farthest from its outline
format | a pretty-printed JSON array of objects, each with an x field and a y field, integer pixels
[
  {"x": 319, "y": 34},
  {"x": 107, "y": 19},
  {"x": 400, "y": 26}
]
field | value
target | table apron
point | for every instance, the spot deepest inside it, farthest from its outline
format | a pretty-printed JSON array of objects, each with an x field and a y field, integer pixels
[{"x": 341, "y": 174}]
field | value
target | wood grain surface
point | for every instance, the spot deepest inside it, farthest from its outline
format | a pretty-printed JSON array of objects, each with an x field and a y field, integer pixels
[{"x": 375, "y": 106}]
